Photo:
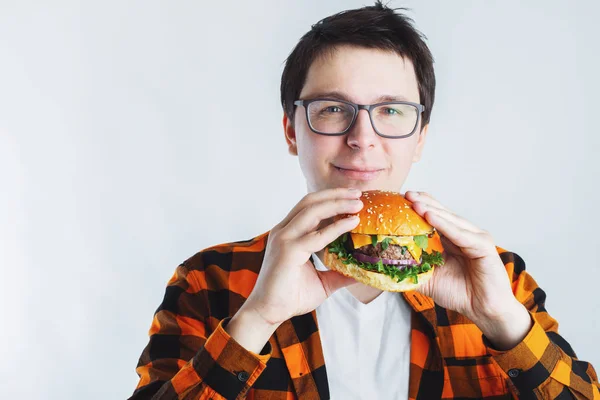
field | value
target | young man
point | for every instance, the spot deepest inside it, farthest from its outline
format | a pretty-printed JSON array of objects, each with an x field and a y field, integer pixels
[{"x": 264, "y": 319}]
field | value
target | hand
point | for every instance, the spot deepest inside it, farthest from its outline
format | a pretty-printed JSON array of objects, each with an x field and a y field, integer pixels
[
  {"x": 288, "y": 283},
  {"x": 473, "y": 280}
]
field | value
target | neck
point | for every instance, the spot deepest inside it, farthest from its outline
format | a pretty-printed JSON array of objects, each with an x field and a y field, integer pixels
[
  {"x": 321, "y": 254},
  {"x": 363, "y": 293}
]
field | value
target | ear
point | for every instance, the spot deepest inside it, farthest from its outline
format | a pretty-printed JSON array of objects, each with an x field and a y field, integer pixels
[
  {"x": 290, "y": 135},
  {"x": 420, "y": 144}
]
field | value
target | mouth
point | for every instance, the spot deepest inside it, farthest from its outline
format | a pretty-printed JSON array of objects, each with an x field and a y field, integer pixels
[{"x": 362, "y": 174}]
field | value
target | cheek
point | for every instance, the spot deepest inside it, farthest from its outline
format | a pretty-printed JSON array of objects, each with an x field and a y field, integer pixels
[
  {"x": 403, "y": 152},
  {"x": 313, "y": 146},
  {"x": 316, "y": 150},
  {"x": 313, "y": 150}
]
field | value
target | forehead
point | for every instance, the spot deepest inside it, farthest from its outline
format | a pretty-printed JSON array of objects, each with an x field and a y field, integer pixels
[{"x": 363, "y": 74}]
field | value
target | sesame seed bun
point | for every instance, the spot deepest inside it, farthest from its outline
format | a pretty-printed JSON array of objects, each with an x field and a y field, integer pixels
[{"x": 388, "y": 213}]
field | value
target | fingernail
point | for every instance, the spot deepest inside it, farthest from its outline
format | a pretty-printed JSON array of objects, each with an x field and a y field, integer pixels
[{"x": 354, "y": 191}]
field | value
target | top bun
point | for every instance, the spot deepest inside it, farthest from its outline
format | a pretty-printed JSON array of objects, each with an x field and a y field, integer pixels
[{"x": 389, "y": 213}]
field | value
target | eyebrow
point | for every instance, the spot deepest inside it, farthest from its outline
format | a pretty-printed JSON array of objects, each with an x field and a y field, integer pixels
[{"x": 342, "y": 96}]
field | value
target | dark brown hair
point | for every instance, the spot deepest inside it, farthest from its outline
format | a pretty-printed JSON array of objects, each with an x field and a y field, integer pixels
[{"x": 375, "y": 27}]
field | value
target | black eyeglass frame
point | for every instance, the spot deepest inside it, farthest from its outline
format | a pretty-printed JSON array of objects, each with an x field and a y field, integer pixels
[{"x": 357, "y": 107}]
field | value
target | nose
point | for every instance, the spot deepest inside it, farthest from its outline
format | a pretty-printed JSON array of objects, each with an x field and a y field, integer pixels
[{"x": 361, "y": 134}]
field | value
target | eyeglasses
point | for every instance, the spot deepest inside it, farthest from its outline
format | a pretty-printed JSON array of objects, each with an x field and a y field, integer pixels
[{"x": 332, "y": 117}]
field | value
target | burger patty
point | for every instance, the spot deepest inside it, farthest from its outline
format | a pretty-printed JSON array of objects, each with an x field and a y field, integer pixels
[{"x": 393, "y": 252}]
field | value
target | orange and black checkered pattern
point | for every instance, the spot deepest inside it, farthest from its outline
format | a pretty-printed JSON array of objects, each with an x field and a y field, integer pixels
[{"x": 191, "y": 356}]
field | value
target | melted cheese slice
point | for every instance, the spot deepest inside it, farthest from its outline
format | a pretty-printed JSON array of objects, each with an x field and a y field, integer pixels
[{"x": 360, "y": 240}]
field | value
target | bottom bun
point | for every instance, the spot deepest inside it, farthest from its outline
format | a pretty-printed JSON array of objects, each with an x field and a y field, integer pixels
[{"x": 374, "y": 279}]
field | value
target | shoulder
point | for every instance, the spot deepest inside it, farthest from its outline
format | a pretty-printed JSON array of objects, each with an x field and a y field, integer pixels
[
  {"x": 524, "y": 286},
  {"x": 212, "y": 266},
  {"x": 513, "y": 262}
]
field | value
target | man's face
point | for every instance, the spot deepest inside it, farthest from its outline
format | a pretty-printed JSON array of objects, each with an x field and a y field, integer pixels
[{"x": 363, "y": 76}]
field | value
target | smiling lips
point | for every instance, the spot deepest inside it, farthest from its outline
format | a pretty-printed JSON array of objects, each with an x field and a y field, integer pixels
[{"x": 359, "y": 173}]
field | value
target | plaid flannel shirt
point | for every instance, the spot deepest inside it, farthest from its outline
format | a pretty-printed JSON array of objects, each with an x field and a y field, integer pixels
[{"x": 191, "y": 356}]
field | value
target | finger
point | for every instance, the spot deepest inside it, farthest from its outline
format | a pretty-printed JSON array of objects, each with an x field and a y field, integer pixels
[
  {"x": 317, "y": 240},
  {"x": 318, "y": 197},
  {"x": 333, "y": 281},
  {"x": 421, "y": 208},
  {"x": 472, "y": 244},
  {"x": 308, "y": 219},
  {"x": 423, "y": 197},
  {"x": 450, "y": 247}
]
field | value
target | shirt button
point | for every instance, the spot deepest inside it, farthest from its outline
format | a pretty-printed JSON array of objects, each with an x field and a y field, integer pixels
[
  {"x": 243, "y": 376},
  {"x": 513, "y": 373}
]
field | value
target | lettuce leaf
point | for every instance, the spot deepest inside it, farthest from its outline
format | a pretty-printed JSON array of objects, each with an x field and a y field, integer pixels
[
  {"x": 421, "y": 241},
  {"x": 428, "y": 261}
]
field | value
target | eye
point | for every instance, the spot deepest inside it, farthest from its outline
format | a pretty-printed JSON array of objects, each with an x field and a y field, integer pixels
[
  {"x": 391, "y": 111},
  {"x": 332, "y": 109}
]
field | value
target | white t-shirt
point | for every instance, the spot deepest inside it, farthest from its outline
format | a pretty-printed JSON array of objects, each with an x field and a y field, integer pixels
[{"x": 366, "y": 347}]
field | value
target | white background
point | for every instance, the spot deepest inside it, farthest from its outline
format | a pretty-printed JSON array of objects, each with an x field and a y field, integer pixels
[{"x": 134, "y": 134}]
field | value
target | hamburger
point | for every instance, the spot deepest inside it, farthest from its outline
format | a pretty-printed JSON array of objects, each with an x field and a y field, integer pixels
[{"x": 392, "y": 248}]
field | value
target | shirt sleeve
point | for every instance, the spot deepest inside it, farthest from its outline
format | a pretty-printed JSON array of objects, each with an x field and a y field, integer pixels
[
  {"x": 183, "y": 361},
  {"x": 543, "y": 365}
]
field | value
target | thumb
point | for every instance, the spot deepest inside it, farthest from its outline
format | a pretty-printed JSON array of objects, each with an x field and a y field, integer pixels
[
  {"x": 425, "y": 289},
  {"x": 450, "y": 247},
  {"x": 333, "y": 281}
]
